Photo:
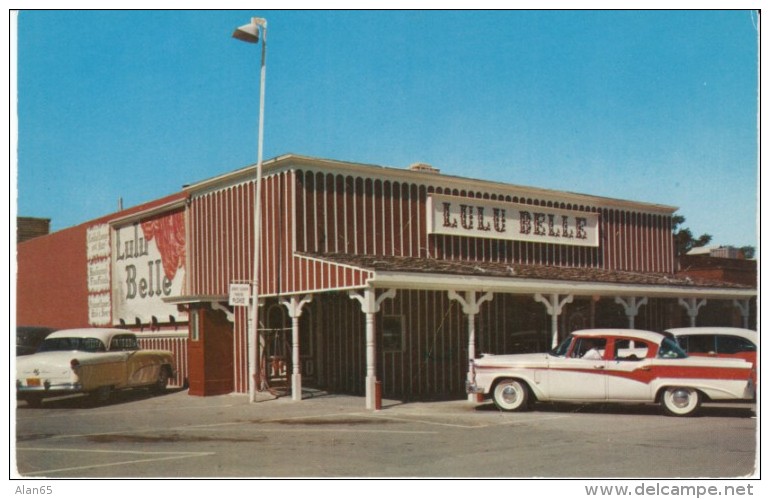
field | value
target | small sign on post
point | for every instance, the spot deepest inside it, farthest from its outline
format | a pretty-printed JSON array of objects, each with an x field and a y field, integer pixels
[{"x": 239, "y": 295}]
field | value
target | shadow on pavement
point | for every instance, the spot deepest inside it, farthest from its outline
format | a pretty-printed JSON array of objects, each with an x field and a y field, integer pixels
[{"x": 727, "y": 410}]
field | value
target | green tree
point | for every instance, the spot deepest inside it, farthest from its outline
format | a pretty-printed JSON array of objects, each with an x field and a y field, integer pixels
[{"x": 684, "y": 241}]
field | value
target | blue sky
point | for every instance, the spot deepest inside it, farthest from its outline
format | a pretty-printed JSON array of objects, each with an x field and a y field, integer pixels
[{"x": 654, "y": 106}]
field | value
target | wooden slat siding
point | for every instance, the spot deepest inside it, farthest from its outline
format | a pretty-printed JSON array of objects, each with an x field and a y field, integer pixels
[
  {"x": 350, "y": 215},
  {"x": 366, "y": 216},
  {"x": 387, "y": 219},
  {"x": 270, "y": 239}
]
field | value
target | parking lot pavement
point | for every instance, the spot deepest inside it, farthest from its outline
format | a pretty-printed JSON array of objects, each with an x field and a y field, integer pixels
[{"x": 330, "y": 435}]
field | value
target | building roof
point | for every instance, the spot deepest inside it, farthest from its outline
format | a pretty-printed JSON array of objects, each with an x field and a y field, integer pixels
[{"x": 432, "y": 176}]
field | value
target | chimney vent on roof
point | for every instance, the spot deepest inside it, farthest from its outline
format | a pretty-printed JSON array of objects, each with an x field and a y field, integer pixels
[{"x": 423, "y": 167}]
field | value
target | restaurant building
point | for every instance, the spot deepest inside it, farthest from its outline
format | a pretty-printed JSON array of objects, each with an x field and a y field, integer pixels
[{"x": 373, "y": 280}]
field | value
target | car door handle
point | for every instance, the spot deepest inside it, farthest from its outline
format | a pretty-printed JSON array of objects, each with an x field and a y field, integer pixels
[
  {"x": 644, "y": 368},
  {"x": 599, "y": 367}
]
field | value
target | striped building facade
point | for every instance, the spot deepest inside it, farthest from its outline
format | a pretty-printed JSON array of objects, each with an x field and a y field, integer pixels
[{"x": 459, "y": 260}]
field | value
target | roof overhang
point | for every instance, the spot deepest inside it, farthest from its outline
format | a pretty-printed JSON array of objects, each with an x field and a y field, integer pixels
[
  {"x": 190, "y": 299},
  {"x": 437, "y": 282},
  {"x": 499, "y": 277}
]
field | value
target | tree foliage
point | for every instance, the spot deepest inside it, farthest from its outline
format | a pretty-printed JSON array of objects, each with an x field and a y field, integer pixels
[{"x": 684, "y": 241}]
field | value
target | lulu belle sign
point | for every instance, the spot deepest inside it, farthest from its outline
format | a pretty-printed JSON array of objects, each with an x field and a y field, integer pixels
[
  {"x": 469, "y": 217},
  {"x": 148, "y": 265}
]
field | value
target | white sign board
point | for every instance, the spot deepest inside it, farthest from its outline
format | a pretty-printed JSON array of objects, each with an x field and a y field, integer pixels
[
  {"x": 469, "y": 217},
  {"x": 239, "y": 295},
  {"x": 142, "y": 276}
]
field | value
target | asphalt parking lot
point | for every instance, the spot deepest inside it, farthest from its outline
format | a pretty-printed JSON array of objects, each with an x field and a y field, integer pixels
[{"x": 326, "y": 435}]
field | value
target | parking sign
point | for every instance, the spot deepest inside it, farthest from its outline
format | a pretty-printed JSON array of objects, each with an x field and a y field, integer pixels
[{"x": 239, "y": 295}]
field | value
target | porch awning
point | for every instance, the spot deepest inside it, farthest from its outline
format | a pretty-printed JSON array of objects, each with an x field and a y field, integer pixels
[{"x": 499, "y": 277}]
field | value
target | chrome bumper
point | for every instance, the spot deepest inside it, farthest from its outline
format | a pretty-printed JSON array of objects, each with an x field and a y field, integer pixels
[
  {"x": 473, "y": 388},
  {"x": 49, "y": 388}
]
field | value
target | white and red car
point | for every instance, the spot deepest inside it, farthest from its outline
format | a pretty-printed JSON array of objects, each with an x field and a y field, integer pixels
[
  {"x": 93, "y": 361},
  {"x": 612, "y": 365}
]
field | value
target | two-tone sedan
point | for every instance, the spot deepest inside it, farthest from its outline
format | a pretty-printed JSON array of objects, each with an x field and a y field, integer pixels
[
  {"x": 612, "y": 365},
  {"x": 93, "y": 361}
]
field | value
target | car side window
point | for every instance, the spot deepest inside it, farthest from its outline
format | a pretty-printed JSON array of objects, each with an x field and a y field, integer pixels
[
  {"x": 630, "y": 349},
  {"x": 92, "y": 345},
  {"x": 589, "y": 348},
  {"x": 123, "y": 343},
  {"x": 734, "y": 344},
  {"x": 704, "y": 343}
]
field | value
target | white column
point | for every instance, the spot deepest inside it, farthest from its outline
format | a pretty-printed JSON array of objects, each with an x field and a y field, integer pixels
[
  {"x": 744, "y": 307},
  {"x": 370, "y": 305},
  {"x": 692, "y": 305},
  {"x": 471, "y": 307},
  {"x": 631, "y": 305},
  {"x": 294, "y": 306},
  {"x": 554, "y": 307}
]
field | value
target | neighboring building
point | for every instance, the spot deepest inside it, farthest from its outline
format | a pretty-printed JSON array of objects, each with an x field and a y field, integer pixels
[
  {"x": 103, "y": 273},
  {"x": 723, "y": 263},
  {"x": 373, "y": 276},
  {"x": 29, "y": 228}
]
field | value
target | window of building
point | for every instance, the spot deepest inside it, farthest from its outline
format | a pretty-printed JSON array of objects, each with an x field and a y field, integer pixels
[{"x": 393, "y": 333}]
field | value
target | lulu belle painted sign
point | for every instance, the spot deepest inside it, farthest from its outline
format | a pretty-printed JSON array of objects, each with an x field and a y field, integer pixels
[
  {"x": 148, "y": 260},
  {"x": 469, "y": 217}
]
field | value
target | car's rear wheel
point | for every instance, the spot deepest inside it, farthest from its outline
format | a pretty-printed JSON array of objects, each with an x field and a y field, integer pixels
[
  {"x": 680, "y": 401},
  {"x": 101, "y": 395},
  {"x": 162, "y": 383},
  {"x": 511, "y": 395}
]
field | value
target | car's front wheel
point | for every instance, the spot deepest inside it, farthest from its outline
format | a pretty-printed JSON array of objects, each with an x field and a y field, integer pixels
[
  {"x": 680, "y": 401},
  {"x": 511, "y": 395}
]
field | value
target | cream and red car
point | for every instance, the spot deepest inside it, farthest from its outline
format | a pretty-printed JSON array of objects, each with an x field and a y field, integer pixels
[
  {"x": 612, "y": 365},
  {"x": 717, "y": 341},
  {"x": 729, "y": 342},
  {"x": 94, "y": 361}
]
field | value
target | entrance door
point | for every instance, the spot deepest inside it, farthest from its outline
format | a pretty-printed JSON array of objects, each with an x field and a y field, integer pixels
[{"x": 210, "y": 353}]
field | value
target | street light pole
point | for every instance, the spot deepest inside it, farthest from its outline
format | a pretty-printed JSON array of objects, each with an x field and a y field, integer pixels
[{"x": 250, "y": 33}]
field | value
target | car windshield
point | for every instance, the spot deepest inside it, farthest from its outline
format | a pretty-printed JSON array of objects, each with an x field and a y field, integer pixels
[
  {"x": 68, "y": 344},
  {"x": 669, "y": 349},
  {"x": 563, "y": 347}
]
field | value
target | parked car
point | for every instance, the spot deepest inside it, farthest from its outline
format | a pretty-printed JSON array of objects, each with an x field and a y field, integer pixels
[
  {"x": 612, "y": 365},
  {"x": 93, "y": 361},
  {"x": 29, "y": 338},
  {"x": 730, "y": 342},
  {"x": 717, "y": 341}
]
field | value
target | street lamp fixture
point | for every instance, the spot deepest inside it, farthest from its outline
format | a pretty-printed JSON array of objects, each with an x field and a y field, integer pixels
[{"x": 250, "y": 33}]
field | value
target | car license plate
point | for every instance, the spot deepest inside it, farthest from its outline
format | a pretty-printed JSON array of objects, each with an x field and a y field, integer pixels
[{"x": 33, "y": 381}]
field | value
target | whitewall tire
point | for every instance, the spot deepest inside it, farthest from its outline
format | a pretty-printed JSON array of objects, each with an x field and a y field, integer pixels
[
  {"x": 511, "y": 395},
  {"x": 680, "y": 401}
]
